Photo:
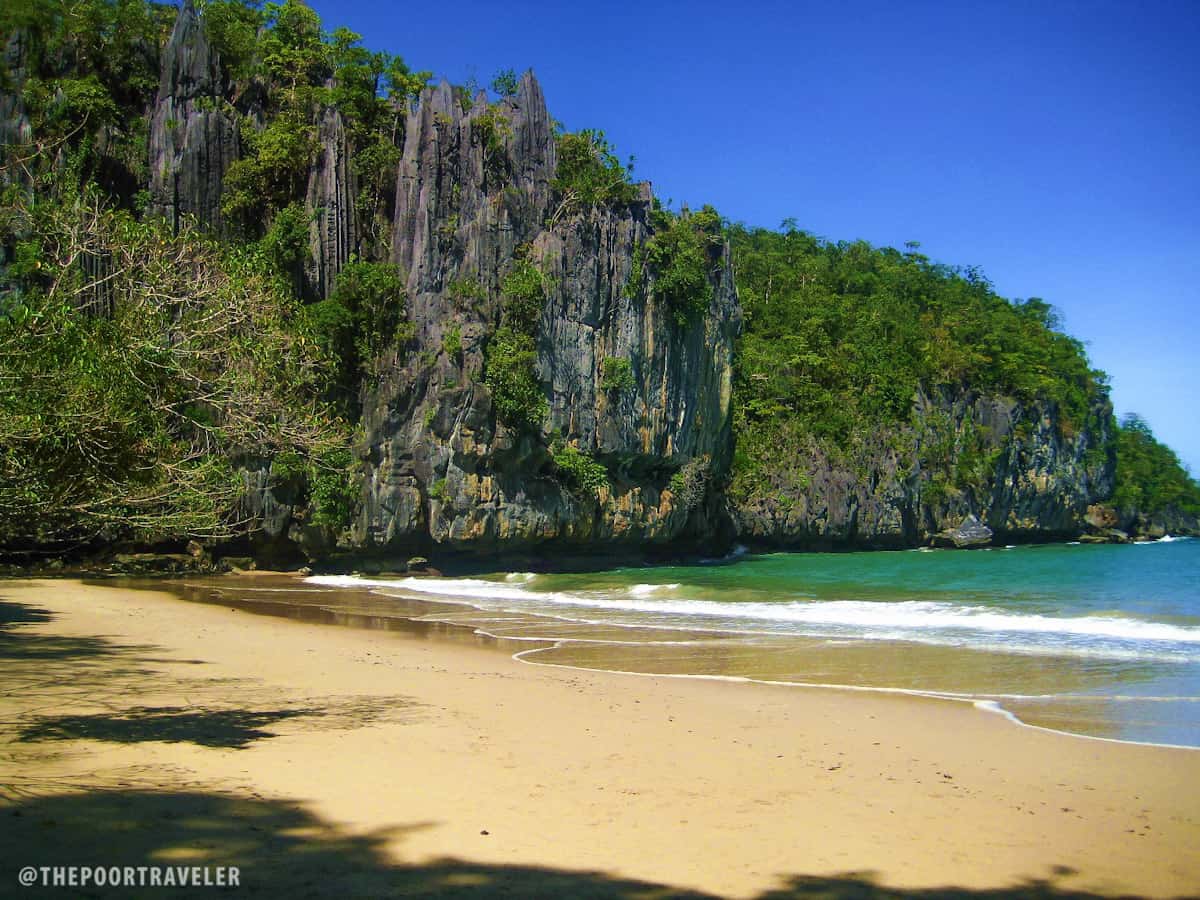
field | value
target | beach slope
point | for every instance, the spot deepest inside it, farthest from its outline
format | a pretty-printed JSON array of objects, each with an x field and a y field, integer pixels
[{"x": 139, "y": 728}]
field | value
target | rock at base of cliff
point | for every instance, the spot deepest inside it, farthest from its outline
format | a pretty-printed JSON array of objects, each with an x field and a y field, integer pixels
[
  {"x": 158, "y": 564},
  {"x": 1108, "y": 536},
  {"x": 969, "y": 533},
  {"x": 419, "y": 565},
  {"x": 1101, "y": 517}
]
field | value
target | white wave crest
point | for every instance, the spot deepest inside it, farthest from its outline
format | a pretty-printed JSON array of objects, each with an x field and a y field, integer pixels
[
  {"x": 645, "y": 590},
  {"x": 901, "y": 618}
]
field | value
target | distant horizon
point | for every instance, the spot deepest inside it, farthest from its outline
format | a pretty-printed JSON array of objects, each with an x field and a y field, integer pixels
[{"x": 1051, "y": 147}]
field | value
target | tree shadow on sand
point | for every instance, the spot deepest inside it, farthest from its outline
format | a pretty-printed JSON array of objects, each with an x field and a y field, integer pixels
[
  {"x": 99, "y": 677},
  {"x": 283, "y": 850},
  {"x": 19, "y": 645},
  {"x": 22, "y": 614},
  {"x": 230, "y": 728}
]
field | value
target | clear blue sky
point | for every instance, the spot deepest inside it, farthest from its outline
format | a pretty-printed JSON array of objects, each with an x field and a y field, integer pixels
[{"x": 1055, "y": 144}]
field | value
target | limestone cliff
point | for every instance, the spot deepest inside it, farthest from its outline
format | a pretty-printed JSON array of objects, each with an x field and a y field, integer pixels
[
  {"x": 1013, "y": 467},
  {"x": 193, "y": 135},
  {"x": 442, "y": 470},
  {"x": 333, "y": 229},
  {"x": 439, "y": 470},
  {"x": 15, "y": 131}
]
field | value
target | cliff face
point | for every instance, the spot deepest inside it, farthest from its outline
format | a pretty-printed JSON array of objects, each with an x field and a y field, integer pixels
[
  {"x": 442, "y": 469},
  {"x": 333, "y": 230},
  {"x": 14, "y": 123},
  {"x": 193, "y": 136},
  {"x": 963, "y": 458}
]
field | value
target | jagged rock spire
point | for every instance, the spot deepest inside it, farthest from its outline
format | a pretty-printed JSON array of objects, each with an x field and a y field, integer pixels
[
  {"x": 333, "y": 227},
  {"x": 192, "y": 139}
]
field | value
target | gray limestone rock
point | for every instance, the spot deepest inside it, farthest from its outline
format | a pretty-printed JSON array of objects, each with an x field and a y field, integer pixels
[
  {"x": 15, "y": 131},
  {"x": 970, "y": 532},
  {"x": 333, "y": 231},
  {"x": 1034, "y": 480},
  {"x": 442, "y": 470},
  {"x": 193, "y": 136}
]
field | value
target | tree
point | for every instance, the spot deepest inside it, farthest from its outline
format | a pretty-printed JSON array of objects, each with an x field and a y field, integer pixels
[
  {"x": 589, "y": 174},
  {"x": 124, "y": 418},
  {"x": 506, "y": 83}
]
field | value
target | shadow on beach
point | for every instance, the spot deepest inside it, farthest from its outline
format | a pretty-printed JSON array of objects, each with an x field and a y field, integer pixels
[
  {"x": 282, "y": 850},
  {"x": 101, "y": 677}
]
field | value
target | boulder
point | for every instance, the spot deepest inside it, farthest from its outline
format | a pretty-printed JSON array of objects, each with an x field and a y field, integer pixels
[
  {"x": 1100, "y": 516},
  {"x": 969, "y": 533}
]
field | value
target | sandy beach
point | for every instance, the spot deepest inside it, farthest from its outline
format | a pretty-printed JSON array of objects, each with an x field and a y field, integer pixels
[{"x": 140, "y": 727}]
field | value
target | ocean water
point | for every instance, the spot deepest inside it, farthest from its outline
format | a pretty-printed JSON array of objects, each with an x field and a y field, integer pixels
[{"x": 1096, "y": 640}]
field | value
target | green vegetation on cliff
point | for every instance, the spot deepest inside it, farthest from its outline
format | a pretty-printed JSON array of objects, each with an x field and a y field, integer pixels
[
  {"x": 153, "y": 374},
  {"x": 137, "y": 368},
  {"x": 143, "y": 372},
  {"x": 1150, "y": 478},
  {"x": 589, "y": 173},
  {"x": 512, "y": 353},
  {"x": 840, "y": 337},
  {"x": 90, "y": 69},
  {"x": 680, "y": 259}
]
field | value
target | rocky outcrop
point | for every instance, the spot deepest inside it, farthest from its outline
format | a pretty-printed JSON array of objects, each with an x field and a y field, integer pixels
[
  {"x": 965, "y": 458},
  {"x": 443, "y": 470},
  {"x": 16, "y": 134},
  {"x": 970, "y": 532},
  {"x": 624, "y": 383},
  {"x": 15, "y": 131},
  {"x": 1154, "y": 526},
  {"x": 193, "y": 135},
  {"x": 333, "y": 232}
]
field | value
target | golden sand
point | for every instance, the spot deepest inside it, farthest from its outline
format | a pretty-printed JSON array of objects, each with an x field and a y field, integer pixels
[{"x": 141, "y": 728}]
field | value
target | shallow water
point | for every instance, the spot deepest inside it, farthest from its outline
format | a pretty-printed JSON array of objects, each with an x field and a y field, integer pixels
[{"x": 1097, "y": 640}]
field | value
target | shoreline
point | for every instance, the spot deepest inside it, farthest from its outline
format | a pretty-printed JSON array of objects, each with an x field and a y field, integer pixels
[
  {"x": 178, "y": 564},
  {"x": 577, "y": 771},
  {"x": 428, "y": 605},
  {"x": 1059, "y": 691},
  {"x": 985, "y": 706}
]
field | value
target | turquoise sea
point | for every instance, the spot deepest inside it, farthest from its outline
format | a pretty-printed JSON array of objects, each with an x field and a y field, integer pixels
[{"x": 1097, "y": 640}]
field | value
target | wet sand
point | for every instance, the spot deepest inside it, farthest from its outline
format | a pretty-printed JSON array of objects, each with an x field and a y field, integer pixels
[{"x": 422, "y": 760}]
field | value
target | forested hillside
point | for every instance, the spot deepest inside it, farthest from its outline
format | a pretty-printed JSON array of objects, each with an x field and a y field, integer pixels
[
  {"x": 1011, "y": 423},
  {"x": 271, "y": 292}
]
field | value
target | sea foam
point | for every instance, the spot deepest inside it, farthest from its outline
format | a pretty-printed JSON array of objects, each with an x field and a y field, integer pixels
[{"x": 842, "y": 617}]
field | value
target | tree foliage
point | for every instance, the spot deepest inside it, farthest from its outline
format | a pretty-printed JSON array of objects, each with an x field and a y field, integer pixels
[
  {"x": 136, "y": 368},
  {"x": 307, "y": 70},
  {"x": 617, "y": 375},
  {"x": 140, "y": 371},
  {"x": 1150, "y": 477},
  {"x": 583, "y": 474},
  {"x": 506, "y": 83},
  {"x": 841, "y": 334},
  {"x": 511, "y": 356},
  {"x": 589, "y": 174},
  {"x": 511, "y": 377},
  {"x": 838, "y": 338},
  {"x": 84, "y": 66},
  {"x": 680, "y": 260}
]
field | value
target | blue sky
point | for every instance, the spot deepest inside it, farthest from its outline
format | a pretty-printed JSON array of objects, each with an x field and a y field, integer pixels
[{"x": 1054, "y": 144}]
